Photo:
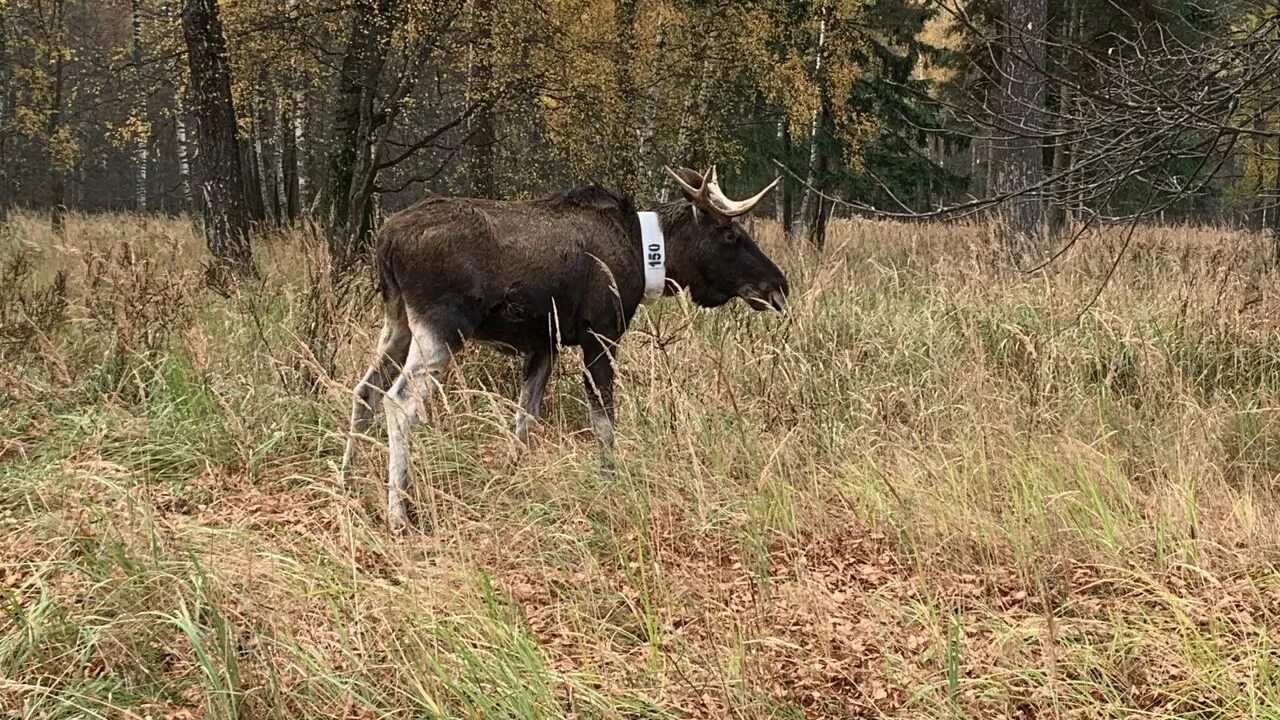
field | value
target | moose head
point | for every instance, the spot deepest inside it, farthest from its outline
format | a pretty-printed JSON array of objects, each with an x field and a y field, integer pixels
[{"x": 711, "y": 253}]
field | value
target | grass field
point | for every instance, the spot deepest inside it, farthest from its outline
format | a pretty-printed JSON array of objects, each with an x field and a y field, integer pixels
[{"x": 927, "y": 492}]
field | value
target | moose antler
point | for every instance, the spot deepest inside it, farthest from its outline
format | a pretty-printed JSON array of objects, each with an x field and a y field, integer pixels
[
  {"x": 696, "y": 193},
  {"x": 734, "y": 208},
  {"x": 710, "y": 197}
]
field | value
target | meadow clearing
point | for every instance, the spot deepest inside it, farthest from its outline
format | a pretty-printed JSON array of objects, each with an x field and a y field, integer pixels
[{"x": 926, "y": 492}]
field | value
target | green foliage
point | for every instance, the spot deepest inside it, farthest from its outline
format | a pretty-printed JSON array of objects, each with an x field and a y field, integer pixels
[{"x": 872, "y": 100}]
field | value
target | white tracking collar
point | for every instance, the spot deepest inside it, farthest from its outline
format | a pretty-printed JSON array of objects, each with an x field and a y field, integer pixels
[{"x": 654, "y": 251}]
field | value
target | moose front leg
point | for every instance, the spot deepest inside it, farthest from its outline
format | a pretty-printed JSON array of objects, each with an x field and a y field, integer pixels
[{"x": 598, "y": 378}]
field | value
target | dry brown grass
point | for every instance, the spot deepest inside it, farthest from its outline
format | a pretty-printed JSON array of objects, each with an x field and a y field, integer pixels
[{"x": 926, "y": 492}]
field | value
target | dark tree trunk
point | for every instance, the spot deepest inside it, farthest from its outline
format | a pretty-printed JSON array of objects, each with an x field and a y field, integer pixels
[
  {"x": 483, "y": 137},
  {"x": 250, "y": 184},
  {"x": 6, "y": 194},
  {"x": 1020, "y": 158},
  {"x": 1061, "y": 215},
  {"x": 692, "y": 111},
  {"x": 348, "y": 209},
  {"x": 803, "y": 220},
  {"x": 57, "y": 173},
  {"x": 815, "y": 219},
  {"x": 783, "y": 197},
  {"x": 221, "y": 175},
  {"x": 1274, "y": 200},
  {"x": 818, "y": 228},
  {"x": 808, "y": 199},
  {"x": 483, "y": 142},
  {"x": 647, "y": 181},
  {"x": 290, "y": 177},
  {"x": 627, "y": 171}
]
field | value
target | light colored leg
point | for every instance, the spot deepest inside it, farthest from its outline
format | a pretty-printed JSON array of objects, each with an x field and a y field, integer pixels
[
  {"x": 602, "y": 427},
  {"x": 423, "y": 371},
  {"x": 393, "y": 347},
  {"x": 537, "y": 370}
]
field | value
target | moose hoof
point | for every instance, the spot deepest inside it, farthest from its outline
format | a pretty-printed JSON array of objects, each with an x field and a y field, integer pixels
[
  {"x": 397, "y": 521},
  {"x": 517, "y": 450},
  {"x": 608, "y": 461}
]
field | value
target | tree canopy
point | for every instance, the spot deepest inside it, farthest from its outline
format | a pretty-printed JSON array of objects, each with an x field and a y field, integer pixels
[{"x": 347, "y": 109}]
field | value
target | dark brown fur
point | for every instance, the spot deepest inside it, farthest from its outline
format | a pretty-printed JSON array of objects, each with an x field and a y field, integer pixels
[{"x": 534, "y": 275}]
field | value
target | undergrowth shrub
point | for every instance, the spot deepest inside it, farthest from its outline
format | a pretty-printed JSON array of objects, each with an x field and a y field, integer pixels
[
  {"x": 31, "y": 313},
  {"x": 137, "y": 303}
]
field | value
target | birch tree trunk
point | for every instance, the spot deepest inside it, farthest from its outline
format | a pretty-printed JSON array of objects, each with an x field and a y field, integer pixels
[
  {"x": 142, "y": 141},
  {"x": 183, "y": 147},
  {"x": 297, "y": 186},
  {"x": 250, "y": 185},
  {"x": 807, "y": 202},
  {"x": 279, "y": 142},
  {"x": 263, "y": 149},
  {"x": 57, "y": 173},
  {"x": 301, "y": 186},
  {"x": 288, "y": 157},
  {"x": 181, "y": 121}
]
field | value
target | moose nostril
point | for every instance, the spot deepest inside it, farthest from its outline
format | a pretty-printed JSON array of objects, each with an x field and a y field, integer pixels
[{"x": 778, "y": 299}]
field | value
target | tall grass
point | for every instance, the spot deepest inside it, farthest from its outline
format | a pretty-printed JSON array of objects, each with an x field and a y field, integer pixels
[{"x": 927, "y": 491}]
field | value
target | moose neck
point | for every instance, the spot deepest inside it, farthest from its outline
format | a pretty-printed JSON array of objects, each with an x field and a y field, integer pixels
[{"x": 679, "y": 223}]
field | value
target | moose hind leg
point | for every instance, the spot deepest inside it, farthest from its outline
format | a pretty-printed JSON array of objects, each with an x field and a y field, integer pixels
[
  {"x": 537, "y": 370},
  {"x": 393, "y": 347},
  {"x": 598, "y": 378},
  {"x": 428, "y": 358}
]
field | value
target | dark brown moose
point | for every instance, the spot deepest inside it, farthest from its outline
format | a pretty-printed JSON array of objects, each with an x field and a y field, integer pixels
[{"x": 532, "y": 277}]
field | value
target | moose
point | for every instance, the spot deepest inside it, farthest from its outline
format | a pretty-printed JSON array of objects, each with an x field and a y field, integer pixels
[{"x": 533, "y": 277}]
